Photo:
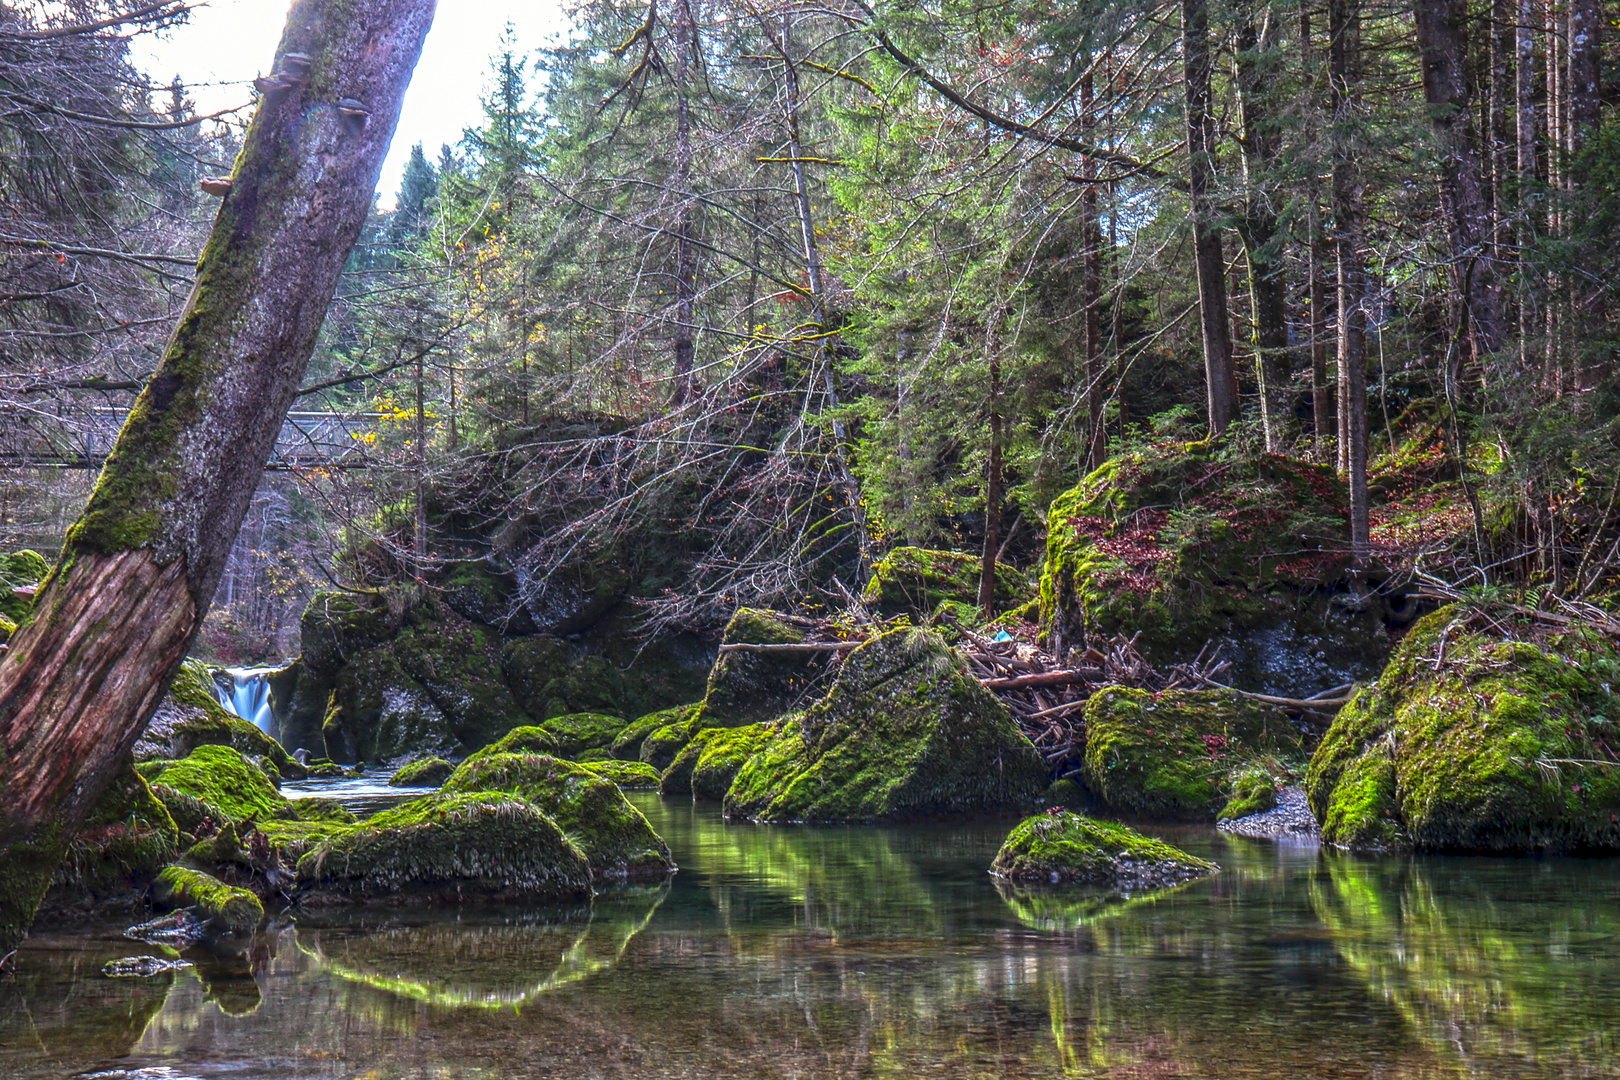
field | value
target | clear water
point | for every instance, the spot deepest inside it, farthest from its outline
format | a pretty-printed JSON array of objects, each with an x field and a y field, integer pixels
[{"x": 863, "y": 952}]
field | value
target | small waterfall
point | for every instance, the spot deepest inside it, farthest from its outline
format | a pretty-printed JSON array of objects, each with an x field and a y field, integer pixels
[{"x": 247, "y": 694}]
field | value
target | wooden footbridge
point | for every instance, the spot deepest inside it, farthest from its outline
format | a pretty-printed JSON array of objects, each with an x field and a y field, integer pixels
[{"x": 81, "y": 439}]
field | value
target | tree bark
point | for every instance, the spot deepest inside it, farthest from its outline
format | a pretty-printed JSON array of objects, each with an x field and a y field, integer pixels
[
  {"x": 992, "y": 496},
  {"x": 1316, "y": 257},
  {"x": 1091, "y": 233},
  {"x": 1585, "y": 71},
  {"x": 1449, "y": 90},
  {"x": 685, "y": 252},
  {"x": 1344, "y": 46},
  {"x": 139, "y": 568},
  {"x": 1220, "y": 378},
  {"x": 1268, "y": 287}
]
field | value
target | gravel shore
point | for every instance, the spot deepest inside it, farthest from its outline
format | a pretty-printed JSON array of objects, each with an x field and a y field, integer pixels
[{"x": 1292, "y": 818}]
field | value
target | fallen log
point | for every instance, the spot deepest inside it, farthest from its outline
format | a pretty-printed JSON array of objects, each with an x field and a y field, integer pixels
[
  {"x": 1315, "y": 704},
  {"x": 807, "y": 646},
  {"x": 1046, "y": 678}
]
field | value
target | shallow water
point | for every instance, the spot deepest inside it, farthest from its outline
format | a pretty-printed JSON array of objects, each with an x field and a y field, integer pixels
[{"x": 864, "y": 952}]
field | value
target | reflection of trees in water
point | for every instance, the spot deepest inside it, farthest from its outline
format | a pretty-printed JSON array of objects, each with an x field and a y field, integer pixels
[{"x": 1489, "y": 962}]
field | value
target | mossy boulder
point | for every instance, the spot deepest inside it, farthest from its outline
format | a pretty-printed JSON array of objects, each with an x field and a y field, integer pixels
[
  {"x": 552, "y": 677},
  {"x": 1472, "y": 743},
  {"x": 482, "y": 845},
  {"x": 125, "y": 840},
  {"x": 1065, "y": 846},
  {"x": 916, "y": 580},
  {"x": 628, "y": 775},
  {"x": 424, "y": 772},
  {"x": 631, "y": 743},
  {"x": 747, "y": 687},
  {"x": 380, "y": 713},
  {"x": 19, "y": 570},
  {"x": 231, "y": 787},
  {"x": 484, "y": 594},
  {"x": 192, "y": 716},
  {"x": 708, "y": 764},
  {"x": 614, "y": 836},
  {"x": 335, "y": 627},
  {"x": 220, "y": 906},
  {"x": 1182, "y": 542},
  {"x": 523, "y": 740},
  {"x": 1171, "y": 755},
  {"x": 903, "y": 732},
  {"x": 1254, "y": 791},
  {"x": 583, "y": 731}
]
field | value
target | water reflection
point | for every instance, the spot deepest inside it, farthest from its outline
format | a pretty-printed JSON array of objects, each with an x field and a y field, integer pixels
[{"x": 886, "y": 953}]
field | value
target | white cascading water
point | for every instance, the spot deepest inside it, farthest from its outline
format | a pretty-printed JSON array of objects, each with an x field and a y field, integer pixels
[{"x": 248, "y": 696}]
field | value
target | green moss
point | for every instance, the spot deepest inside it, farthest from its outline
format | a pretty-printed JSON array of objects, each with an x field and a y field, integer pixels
[
  {"x": 524, "y": 740},
  {"x": 125, "y": 839},
  {"x": 551, "y": 678},
  {"x": 25, "y": 875},
  {"x": 1170, "y": 755},
  {"x": 1065, "y": 793},
  {"x": 706, "y": 766},
  {"x": 7, "y": 628},
  {"x": 658, "y": 736},
  {"x": 457, "y": 663},
  {"x": 917, "y": 580},
  {"x": 903, "y": 732},
  {"x": 316, "y": 808},
  {"x": 201, "y": 720},
  {"x": 1472, "y": 743},
  {"x": 451, "y": 847},
  {"x": 583, "y": 731},
  {"x": 1254, "y": 791},
  {"x": 1065, "y": 846},
  {"x": 626, "y": 774},
  {"x": 425, "y": 772},
  {"x": 1182, "y": 541},
  {"x": 231, "y": 787},
  {"x": 593, "y": 755},
  {"x": 616, "y": 839},
  {"x": 747, "y": 687},
  {"x": 338, "y": 626},
  {"x": 18, "y": 570},
  {"x": 233, "y": 910}
]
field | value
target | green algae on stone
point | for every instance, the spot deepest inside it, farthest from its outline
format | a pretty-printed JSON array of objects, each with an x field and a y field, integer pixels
[
  {"x": 222, "y": 906},
  {"x": 1254, "y": 791},
  {"x": 625, "y": 774},
  {"x": 903, "y": 732},
  {"x": 229, "y": 785},
  {"x": 1065, "y": 846},
  {"x": 424, "y": 772},
  {"x": 706, "y": 766},
  {"x": 1170, "y": 755},
  {"x": 583, "y": 731},
  {"x": 917, "y": 580},
  {"x": 616, "y": 838},
  {"x": 1472, "y": 743},
  {"x": 480, "y": 845}
]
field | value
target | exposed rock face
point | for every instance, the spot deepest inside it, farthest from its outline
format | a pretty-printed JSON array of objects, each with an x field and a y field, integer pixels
[
  {"x": 1184, "y": 542},
  {"x": 1171, "y": 755},
  {"x": 449, "y": 848},
  {"x": 903, "y": 732},
  {"x": 917, "y": 580},
  {"x": 1064, "y": 846},
  {"x": 614, "y": 836},
  {"x": 1472, "y": 743}
]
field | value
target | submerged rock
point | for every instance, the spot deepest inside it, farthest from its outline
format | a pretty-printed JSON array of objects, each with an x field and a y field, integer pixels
[
  {"x": 1472, "y": 743},
  {"x": 904, "y": 732},
  {"x": 484, "y": 845},
  {"x": 142, "y": 967},
  {"x": 1065, "y": 846},
  {"x": 706, "y": 766},
  {"x": 614, "y": 836},
  {"x": 425, "y": 772},
  {"x": 218, "y": 905},
  {"x": 917, "y": 580},
  {"x": 1170, "y": 755}
]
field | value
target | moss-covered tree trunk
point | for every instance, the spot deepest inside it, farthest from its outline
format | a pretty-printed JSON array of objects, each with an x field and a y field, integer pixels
[{"x": 116, "y": 616}]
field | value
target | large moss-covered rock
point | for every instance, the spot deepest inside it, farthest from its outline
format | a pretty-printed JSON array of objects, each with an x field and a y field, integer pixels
[
  {"x": 523, "y": 740},
  {"x": 708, "y": 764},
  {"x": 657, "y": 737},
  {"x": 628, "y": 775},
  {"x": 903, "y": 732},
  {"x": 380, "y": 713},
  {"x": 917, "y": 580},
  {"x": 424, "y": 772},
  {"x": 1472, "y": 743},
  {"x": 300, "y": 700},
  {"x": 192, "y": 716},
  {"x": 220, "y": 906},
  {"x": 485, "y": 594},
  {"x": 338, "y": 626},
  {"x": 747, "y": 687},
  {"x": 227, "y": 784},
  {"x": 583, "y": 731},
  {"x": 551, "y": 677},
  {"x": 615, "y": 837},
  {"x": 481, "y": 845},
  {"x": 1172, "y": 755},
  {"x": 1187, "y": 541},
  {"x": 1065, "y": 846}
]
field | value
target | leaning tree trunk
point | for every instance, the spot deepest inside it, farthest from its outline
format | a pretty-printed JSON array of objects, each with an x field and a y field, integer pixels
[{"x": 117, "y": 614}]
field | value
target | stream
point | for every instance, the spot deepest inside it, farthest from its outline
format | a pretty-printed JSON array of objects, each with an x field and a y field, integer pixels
[{"x": 810, "y": 952}]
